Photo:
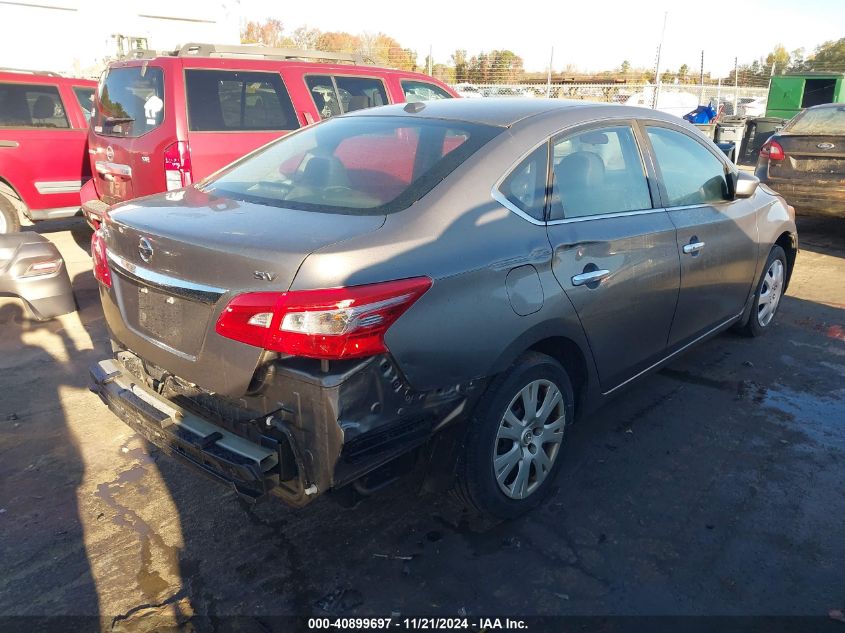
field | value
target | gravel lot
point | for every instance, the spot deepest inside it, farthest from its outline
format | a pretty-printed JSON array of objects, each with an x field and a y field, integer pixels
[{"x": 716, "y": 486}]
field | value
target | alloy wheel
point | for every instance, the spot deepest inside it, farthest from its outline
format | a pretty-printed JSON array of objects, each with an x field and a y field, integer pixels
[
  {"x": 770, "y": 293},
  {"x": 529, "y": 438}
]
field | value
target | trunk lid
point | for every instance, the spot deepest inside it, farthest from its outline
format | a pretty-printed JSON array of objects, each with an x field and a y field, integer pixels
[
  {"x": 178, "y": 259},
  {"x": 810, "y": 157}
]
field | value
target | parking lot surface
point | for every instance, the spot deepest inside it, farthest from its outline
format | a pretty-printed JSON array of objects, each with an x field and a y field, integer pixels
[{"x": 716, "y": 486}]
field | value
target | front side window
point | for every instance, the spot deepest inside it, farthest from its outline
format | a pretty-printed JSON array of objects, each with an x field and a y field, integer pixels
[
  {"x": 339, "y": 94},
  {"x": 130, "y": 101},
  {"x": 691, "y": 173},
  {"x": 85, "y": 97},
  {"x": 422, "y": 91},
  {"x": 229, "y": 101},
  {"x": 525, "y": 186},
  {"x": 358, "y": 165},
  {"x": 598, "y": 172},
  {"x": 33, "y": 106}
]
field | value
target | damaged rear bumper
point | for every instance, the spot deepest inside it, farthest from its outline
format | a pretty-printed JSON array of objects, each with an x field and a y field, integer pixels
[{"x": 250, "y": 468}]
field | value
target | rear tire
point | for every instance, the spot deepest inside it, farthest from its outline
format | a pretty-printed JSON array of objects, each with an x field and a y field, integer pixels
[
  {"x": 513, "y": 448},
  {"x": 769, "y": 293},
  {"x": 9, "y": 221}
]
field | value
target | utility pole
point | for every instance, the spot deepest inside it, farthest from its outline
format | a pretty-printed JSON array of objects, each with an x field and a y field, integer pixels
[
  {"x": 657, "y": 65},
  {"x": 736, "y": 85},
  {"x": 430, "y": 62},
  {"x": 549, "y": 76},
  {"x": 701, "y": 80}
]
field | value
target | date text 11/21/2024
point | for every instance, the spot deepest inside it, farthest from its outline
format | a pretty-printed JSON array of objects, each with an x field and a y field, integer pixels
[{"x": 420, "y": 623}]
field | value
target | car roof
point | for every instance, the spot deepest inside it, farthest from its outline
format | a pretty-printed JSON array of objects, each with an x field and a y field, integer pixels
[
  {"x": 505, "y": 111},
  {"x": 41, "y": 77}
]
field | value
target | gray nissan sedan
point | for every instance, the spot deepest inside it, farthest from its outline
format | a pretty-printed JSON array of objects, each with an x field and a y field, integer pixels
[{"x": 445, "y": 285}]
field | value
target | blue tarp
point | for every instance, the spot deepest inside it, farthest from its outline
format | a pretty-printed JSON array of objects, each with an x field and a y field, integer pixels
[{"x": 702, "y": 114}]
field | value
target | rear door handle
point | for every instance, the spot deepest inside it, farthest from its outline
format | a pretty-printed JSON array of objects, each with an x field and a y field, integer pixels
[
  {"x": 593, "y": 276},
  {"x": 693, "y": 247}
]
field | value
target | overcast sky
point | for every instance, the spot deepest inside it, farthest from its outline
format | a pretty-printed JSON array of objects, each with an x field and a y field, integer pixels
[{"x": 594, "y": 35}]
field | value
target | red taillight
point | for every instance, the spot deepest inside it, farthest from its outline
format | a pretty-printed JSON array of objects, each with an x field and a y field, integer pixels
[
  {"x": 772, "y": 150},
  {"x": 177, "y": 166},
  {"x": 98, "y": 254},
  {"x": 331, "y": 324}
]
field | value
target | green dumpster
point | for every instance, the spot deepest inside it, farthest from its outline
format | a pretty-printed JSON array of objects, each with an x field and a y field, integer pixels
[{"x": 791, "y": 93}]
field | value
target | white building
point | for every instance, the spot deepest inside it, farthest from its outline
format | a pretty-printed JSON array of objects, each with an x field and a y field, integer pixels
[{"x": 78, "y": 37}]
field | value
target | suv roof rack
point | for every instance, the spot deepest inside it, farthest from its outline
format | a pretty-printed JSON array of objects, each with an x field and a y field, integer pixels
[
  {"x": 26, "y": 71},
  {"x": 251, "y": 51}
]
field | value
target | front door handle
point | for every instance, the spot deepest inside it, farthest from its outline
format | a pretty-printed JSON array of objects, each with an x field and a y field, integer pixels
[
  {"x": 590, "y": 277},
  {"x": 693, "y": 248},
  {"x": 10, "y": 144}
]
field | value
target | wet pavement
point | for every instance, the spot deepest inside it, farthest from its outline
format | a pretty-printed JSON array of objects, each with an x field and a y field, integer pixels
[{"x": 716, "y": 486}]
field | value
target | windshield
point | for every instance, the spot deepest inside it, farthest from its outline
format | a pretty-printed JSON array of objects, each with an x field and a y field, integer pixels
[
  {"x": 355, "y": 165},
  {"x": 830, "y": 120}
]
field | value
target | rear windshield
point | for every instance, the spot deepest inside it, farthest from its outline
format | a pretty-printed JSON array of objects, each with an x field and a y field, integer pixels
[
  {"x": 354, "y": 165},
  {"x": 223, "y": 101},
  {"x": 821, "y": 121},
  {"x": 130, "y": 101},
  {"x": 23, "y": 105}
]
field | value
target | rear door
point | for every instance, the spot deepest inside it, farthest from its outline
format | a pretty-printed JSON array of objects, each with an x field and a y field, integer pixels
[
  {"x": 42, "y": 154},
  {"x": 717, "y": 236},
  {"x": 615, "y": 252},
  {"x": 132, "y": 125},
  {"x": 232, "y": 112}
]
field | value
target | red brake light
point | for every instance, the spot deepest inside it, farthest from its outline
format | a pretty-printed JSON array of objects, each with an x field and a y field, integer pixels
[
  {"x": 98, "y": 254},
  {"x": 331, "y": 324},
  {"x": 772, "y": 150},
  {"x": 177, "y": 166}
]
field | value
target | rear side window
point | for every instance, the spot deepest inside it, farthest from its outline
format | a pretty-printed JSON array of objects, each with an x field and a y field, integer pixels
[
  {"x": 525, "y": 186},
  {"x": 691, "y": 173},
  {"x": 339, "y": 94},
  {"x": 598, "y": 172},
  {"x": 226, "y": 101},
  {"x": 85, "y": 97},
  {"x": 422, "y": 91},
  {"x": 130, "y": 101},
  {"x": 33, "y": 106}
]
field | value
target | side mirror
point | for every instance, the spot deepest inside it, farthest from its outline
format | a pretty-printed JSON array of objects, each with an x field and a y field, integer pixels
[{"x": 745, "y": 184}]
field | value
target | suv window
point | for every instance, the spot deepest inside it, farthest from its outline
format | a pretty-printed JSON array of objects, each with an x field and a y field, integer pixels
[
  {"x": 85, "y": 96},
  {"x": 691, "y": 173},
  {"x": 422, "y": 91},
  {"x": 23, "y": 105},
  {"x": 339, "y": 94},
  {"x": 357, "y": 165},
  {"x": 221, "y": 101},
  {"x": 130, "y": 101},
  {"x": 596, "y": 172},
  {"x": 525, "y": 186}
]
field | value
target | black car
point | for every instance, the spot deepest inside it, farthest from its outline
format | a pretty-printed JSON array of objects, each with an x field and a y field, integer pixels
[{"x": 805, "y": 161}]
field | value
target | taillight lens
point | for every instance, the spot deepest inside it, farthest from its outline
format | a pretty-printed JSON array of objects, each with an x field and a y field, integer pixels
[
  {"x": 98, "y": 254},
  {"x": 772, "y": 150},
  {"x": 332, "y": 324},
  {"x": 177, "y": 166}
]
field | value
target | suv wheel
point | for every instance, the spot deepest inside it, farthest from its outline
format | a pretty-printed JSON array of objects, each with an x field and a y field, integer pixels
[
  {"x": 768, "y": 294},
  {"x": 9, "y": 222},
  {"x": 514, "y": 444}
]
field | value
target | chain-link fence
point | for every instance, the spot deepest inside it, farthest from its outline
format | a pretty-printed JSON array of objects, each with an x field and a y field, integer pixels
[{"x": 670, "y": 97}]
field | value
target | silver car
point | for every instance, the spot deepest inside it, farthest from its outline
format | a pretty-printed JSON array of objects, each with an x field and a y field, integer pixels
[
  {"x": 32, "y": 269},
  {"x": 448, "y": 283}
]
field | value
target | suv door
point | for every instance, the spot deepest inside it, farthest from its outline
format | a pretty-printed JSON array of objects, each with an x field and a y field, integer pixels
[
  {"x": 615, "y": 252},
  {"x": 717, "y": 236}
]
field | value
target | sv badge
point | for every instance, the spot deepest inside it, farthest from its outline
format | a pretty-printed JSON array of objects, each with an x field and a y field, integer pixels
[{"x": 264, "y": 276}]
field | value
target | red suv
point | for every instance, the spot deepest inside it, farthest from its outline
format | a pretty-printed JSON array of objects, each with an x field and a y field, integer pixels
[
  {"x": 43, "y": 130},
  {"x": 163, "y": 122}
]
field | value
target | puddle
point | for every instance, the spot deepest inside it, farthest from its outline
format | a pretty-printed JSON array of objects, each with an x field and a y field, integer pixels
[{"x": 821, "y": 418}]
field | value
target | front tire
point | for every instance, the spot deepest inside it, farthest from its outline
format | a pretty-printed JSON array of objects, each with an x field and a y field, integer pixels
[
  {"x": 513, "y": 448},
  {"x": 769, "y": 293},
  {"x": 9, "y": 222}
]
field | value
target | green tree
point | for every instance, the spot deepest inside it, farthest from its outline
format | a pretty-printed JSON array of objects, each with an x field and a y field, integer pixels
[
  {"x": 829, "y": 56},
  {"x": 779, "y": 57},
  {"x": 625, "y": 68},
  {"x": 459, "y": 61},
  {"x": 683, "y": 71}
]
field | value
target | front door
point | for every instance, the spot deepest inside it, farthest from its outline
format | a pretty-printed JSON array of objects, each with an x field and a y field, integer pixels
[
  {"x": 615, "y": 252},
  {"x": 717, "y": 236}
]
